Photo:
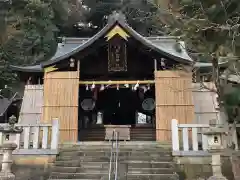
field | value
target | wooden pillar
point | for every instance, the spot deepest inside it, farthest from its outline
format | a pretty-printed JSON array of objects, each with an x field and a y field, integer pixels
[
  {"x": 61, "y": 101},
  {"x": 174, "y": 100}
]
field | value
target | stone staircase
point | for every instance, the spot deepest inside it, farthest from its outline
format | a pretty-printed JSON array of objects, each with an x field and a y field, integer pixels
[{"x": 137, "y": 160}]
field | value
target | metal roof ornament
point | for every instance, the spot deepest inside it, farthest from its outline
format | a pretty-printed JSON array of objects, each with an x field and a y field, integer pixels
[
  {"x": 116, "y": 16},
  {"x": 177, "y": 47}
]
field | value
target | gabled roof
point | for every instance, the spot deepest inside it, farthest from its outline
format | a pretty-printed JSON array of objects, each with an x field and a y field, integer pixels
[{"x": 70, "y": 46}]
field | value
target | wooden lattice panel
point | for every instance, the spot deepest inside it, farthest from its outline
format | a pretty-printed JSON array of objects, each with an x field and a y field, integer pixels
[
  {"x": 174, "y": 100},
  {"x": 61, "y": 101},
  {"x": 31, "y": 109}
]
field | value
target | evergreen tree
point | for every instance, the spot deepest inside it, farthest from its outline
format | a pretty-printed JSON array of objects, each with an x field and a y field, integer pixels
[
  {"x": 29, "y": 31},
  {"x": 211, "y": 29},
  {"x": 139, "y": 14}
]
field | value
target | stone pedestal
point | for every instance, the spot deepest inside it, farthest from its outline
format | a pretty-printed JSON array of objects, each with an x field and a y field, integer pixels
[
  {"x": 217, "y": 178},
  {"x": 236, "y": 166},
  {"x": 216, "y": 165},
  {"x": 6, "y": 173}
]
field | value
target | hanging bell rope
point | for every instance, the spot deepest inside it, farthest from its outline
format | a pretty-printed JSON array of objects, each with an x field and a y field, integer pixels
[{"x": 117, "y": 82}]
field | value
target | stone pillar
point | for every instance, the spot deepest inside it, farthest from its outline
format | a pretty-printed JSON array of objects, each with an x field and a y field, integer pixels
[
  {"x": 6, "y": 173},
  {"x": 216, "y": 166}
]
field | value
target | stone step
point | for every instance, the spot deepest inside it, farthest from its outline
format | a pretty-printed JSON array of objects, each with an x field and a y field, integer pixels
[
  {"x": 129, "y": 164},
  {"x": 108, "y": 147},
  {"x": 76, "y": 163},
  {"x": 120, "y": 158},
  {"x": 139, "y": 151},
  {"x": 121, "y": 143},
  {"x": 107, "y": 144},
  {"x": 150, "y": 170},
  {"x": 128, "y": 177},
  {"x": 105, "y": 169},
  {"x": 61, "y": 175},
  {"x": 71, "y": 179},
  {"x": 152, "y": 176},
  {"x": 80, "y": 169},
  {"x": 71, "y": 163},
  {"x": 147, "y": 164},
  {"x": 96, "y": 178},
  {"x": 64, "y": 169},
  {"x": 83, "y": 158},
  {"x": 120, "y": 151},
  {"x": 133, "y": 154}
]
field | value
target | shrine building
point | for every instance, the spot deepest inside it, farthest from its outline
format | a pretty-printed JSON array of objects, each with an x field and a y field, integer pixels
[{"x": 116, "y": 79}]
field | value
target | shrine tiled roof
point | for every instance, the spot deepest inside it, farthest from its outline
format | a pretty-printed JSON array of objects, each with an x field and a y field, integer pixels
[{"x": 170, "y": 47}]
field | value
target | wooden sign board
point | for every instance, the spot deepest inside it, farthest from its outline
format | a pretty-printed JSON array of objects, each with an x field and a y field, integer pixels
[{"x": 123, "y": 130}]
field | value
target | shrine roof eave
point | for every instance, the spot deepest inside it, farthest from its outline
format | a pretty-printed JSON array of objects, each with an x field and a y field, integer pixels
[
  {"x": 39, "y": 68},
  {"x": 27, "y": 69}
]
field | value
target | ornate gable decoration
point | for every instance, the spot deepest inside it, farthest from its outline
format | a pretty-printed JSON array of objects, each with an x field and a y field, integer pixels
[
  {"x": 50, "y": 69},
  {"x": 117, "y": 30}
]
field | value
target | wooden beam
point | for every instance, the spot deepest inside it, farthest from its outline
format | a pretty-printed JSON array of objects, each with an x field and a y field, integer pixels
[
  {"x": 117, "y": 82},
  {"x": 155, "y": 65}
]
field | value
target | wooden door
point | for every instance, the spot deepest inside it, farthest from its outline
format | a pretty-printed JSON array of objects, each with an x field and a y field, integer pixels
[
  {"x": 174, "y": 100},
  {"x": 61, "y": 101}
]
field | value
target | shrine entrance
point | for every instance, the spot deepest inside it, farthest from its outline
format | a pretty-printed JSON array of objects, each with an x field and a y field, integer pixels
[
  {"x": 128, "y": 106},
  {"x": 119, "y": 106}
]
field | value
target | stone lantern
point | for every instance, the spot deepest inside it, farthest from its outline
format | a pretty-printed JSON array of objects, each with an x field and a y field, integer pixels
[
  {"x": 8, "y": 147},
  {"x": 215, "y": 135}
]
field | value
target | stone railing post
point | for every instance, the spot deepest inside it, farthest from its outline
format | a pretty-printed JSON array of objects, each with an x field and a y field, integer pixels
[{"x": 8, "y": 147}]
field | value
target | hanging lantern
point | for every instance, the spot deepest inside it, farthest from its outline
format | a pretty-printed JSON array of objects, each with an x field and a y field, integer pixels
[
  {"x": 144, "y": 88},
  {"x": 87, "y": 88},
  {"x": 72, "y": 62},
  {"x": 148, "y": 87},
  {"x": 102, "y": 87},
  {"x": 136, "y": 86},
  {"x": 109, "y": 84},
  {"x": 133, "y": 87},
  {"x": 93, "y": 86},
  {"x": 126, "y": 85}
]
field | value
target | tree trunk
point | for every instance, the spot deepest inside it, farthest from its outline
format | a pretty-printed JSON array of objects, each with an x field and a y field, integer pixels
[{"x": 216, "y": 79}]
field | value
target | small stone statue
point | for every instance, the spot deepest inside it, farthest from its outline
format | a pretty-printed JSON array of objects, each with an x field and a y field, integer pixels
[{"x": 11, "y": 128}]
